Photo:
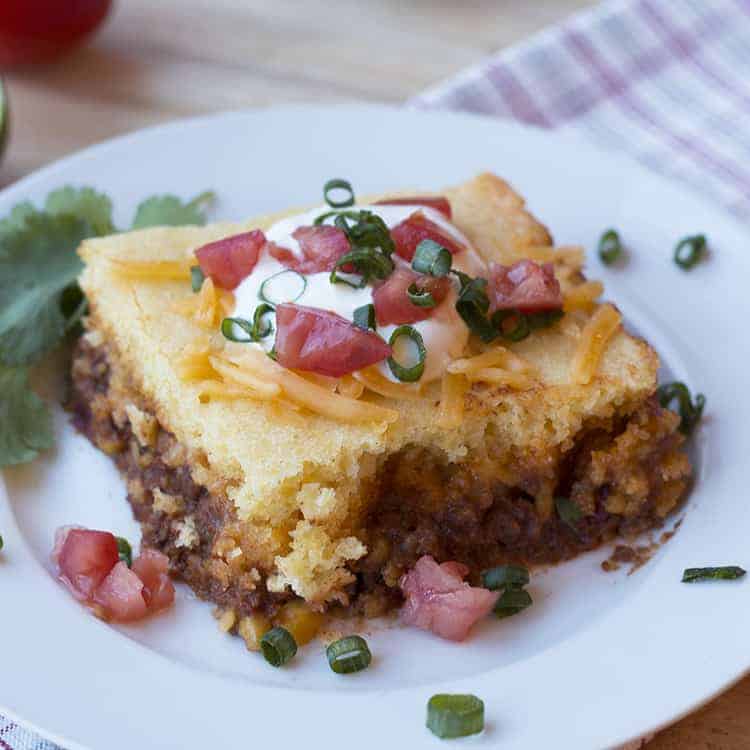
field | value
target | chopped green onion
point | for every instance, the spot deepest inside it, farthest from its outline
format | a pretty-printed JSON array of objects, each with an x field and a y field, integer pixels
[
  {"x": 2, "y": 543},
  {"x": 364, "y": 317},
  {"x": 368, "y": 263},
  {"x": 725, "y": 573},
  {"x": 413, "y": 373},
  {"x": 472, "y": 305},
  {"x": 505, "y": 576},
  {"x": 420, "y": 297},
  {"x": 197, "y": 277},
  {"x": 125, "y": 551},
  {"x": 543, "y": 319},
  {"x": 338, "y": 184},
  {"x": 257, "y": 330},
  {"x": 450, "y": 716},
  {"x": 278, "y": 646},
  {"x": 364, "y": 229},
  {"x": 690, "y": 412},
  {"x": 272, "y": 289},
  {"x": 610, "y": 247},
  {"x": 432, "y": 258},
  {"x": 511, "y": 324},
  {"x": 689, "y": 250},
  {"x": 569, "y": 512},
  {"x": 350, "y": 654},
  {"x": 512, "y": 601}
]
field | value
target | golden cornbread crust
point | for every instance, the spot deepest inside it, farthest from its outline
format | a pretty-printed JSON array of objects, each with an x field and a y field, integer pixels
[{"x": 254, "y": 508}]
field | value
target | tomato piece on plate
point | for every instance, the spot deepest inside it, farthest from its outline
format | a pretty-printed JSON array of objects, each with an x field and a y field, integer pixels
[
  {"x": 321, "y": 248},
  {"x": 417, "y": 227},
  {"x": 392, "y": 303},
  {"x": 525, "y": 286},
  {"x": 438, "y": 202},
  {"x": 438, "y": 599},
  {"x": 323, "y": 342},
  {"x": 121, "y": 595},
  {"x": 152, "y": 568},
  {"x": 85, "y": 558},
  {"x": 230, "y": 260},
  {"x": 33, "y": 31}
]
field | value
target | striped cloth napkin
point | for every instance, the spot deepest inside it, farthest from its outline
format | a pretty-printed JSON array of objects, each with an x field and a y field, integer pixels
[{"x": 667, "y": 81}]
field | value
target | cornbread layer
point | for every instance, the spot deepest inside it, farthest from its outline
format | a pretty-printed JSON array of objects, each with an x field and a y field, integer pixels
[
  {"x": 300, "y": 490},
  {"x": 626, "y": 473}
]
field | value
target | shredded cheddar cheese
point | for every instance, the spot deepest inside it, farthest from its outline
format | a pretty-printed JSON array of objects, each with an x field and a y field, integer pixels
[
  {"x": 152, "y": 270},
  {"x": 583, "y": 296},
  {"x": 372, "y": 379},
  {"x": 452, "y": 392},
  {"x": 591, "y": 345},
  {"x": 496, "y": 357}
]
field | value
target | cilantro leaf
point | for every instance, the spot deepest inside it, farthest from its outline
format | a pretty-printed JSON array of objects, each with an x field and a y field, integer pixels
[
  {"x": 17, "y": 218},
  {"x": 85, "y": 203},
  {"x": 38, "y": 265},
  {"x": 25, "y": 421},
  {"x": 169, "y": 210}
]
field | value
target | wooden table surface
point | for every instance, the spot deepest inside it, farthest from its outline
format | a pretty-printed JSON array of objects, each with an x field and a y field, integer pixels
[{"x": 154, "y": 61}]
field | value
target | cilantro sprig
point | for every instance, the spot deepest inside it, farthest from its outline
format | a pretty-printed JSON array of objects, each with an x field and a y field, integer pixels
[{"x": 40, "y": 300}]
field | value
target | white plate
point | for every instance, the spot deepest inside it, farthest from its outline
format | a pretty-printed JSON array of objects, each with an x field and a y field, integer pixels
[{"x": 599, "y": 659}]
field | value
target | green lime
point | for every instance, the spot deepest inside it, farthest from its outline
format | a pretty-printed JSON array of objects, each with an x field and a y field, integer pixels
[{"x": 4, "y": 117}]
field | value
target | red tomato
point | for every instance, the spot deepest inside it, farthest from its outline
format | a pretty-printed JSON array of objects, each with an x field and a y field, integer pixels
[
  {"x": 232, "y": 259},
  {"x": 321, "y": 341},
  {"x": 392, "y": 303},
  {"x": 33, "y": 31}
]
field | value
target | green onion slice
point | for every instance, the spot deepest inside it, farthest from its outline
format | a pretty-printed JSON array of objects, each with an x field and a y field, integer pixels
[
  {"x": 368, "y": 263},
  {"x": 197, "y": 277},
  {"x": 420, "y": 297},
  {"x": 690, "y": 411},
  {"x": 125, "y": 551},
  {"x": 364, "y": 317},
  {"x": 274, "y": 289},
  {"x": 472, "y": 305},
  {"x": 569, "y": 512},
  {"x": 504, "y": 576},
  {"x": 511, "y": 324},
  {"x": 511, "y": 602},
  {"x": 450, "y": 716},
  {"x": 2, "y": 543},
  {"x": 610, "y": 247},
  {"x": 690, "y": 250},
  {"x": 724, "y": 573},
  {"x": 432, "y": 258},
  {"x": 338, "y": 184},
  {"x": 255, "y": 331},
  {"x": 278, "y": 646},
  {"x": 415, "y": 372},
  {"x": 350, "y": 654}
]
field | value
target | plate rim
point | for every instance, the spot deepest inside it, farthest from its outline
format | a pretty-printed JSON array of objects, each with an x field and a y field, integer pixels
[{"x": 31, "y": 181}]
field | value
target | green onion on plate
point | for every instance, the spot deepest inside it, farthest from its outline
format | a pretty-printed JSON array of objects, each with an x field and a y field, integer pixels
[
  {"x": 451, "y": 716},
  {"x": 348, "y": 655},
  {"x": 278, "y": 646}
]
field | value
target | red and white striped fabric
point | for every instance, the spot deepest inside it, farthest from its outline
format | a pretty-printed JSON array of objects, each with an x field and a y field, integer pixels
[{"x": 667, "y": 81}]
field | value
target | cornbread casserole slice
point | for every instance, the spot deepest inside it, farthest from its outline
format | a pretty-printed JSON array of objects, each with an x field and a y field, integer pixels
[{"x": 266, "y": 485}]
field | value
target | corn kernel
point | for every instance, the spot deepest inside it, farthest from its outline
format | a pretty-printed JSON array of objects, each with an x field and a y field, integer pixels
[{"x": 252, "y": 628}]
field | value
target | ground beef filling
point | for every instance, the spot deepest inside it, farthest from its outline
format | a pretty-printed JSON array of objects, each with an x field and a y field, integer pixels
[{"x": 626, "y": 476}]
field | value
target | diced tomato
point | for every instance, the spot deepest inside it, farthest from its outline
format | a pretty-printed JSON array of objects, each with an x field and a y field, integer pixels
[
  {"x": 321, "y": 341},
  {"x": 438, "y": 202},
  {"x": 392, "y": 304},
  {"x": 152, "y": 568},
  {"x": 120, "y": 595},
  {"x": 88, "y": 564},
  {"x": 321, "y": 248},
  {"x": 525, "y": 286},
  {"x": 85, "y": 559},
  {"x": 438, "y": 599},
  {"x": 232, "y": 259},
  {"x": 410, "y": 232}
]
